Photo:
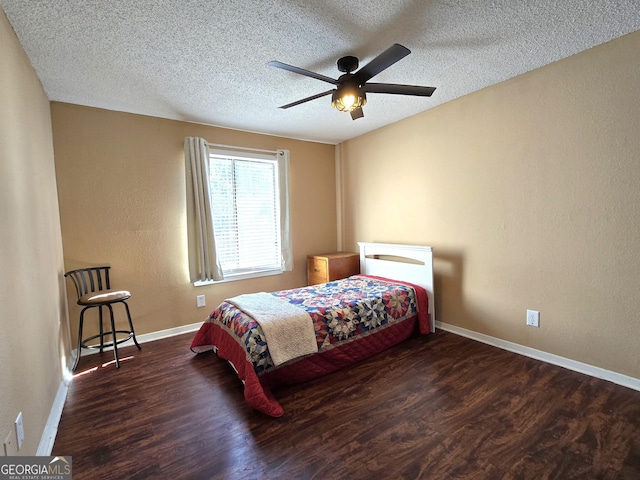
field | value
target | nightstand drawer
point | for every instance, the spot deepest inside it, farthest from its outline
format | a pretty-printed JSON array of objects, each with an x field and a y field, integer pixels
[{"x": 317, "y": 270}]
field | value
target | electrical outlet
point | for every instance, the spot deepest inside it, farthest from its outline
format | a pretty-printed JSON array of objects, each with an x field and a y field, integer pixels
[
  {"x": 19, "y": 430},
  {"x": 200, "y": 301},
  {"x": 9, "y": 445},
  {"x": 533, "y": 318}
]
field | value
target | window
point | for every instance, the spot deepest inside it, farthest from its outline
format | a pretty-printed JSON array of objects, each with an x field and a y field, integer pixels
[{"x": 250, "y": 212}]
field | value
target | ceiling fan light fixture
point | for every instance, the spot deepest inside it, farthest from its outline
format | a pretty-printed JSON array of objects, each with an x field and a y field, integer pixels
[{"x": 347, "y": 98}]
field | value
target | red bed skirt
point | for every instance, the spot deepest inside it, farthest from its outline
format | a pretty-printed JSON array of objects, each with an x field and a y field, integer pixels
[{"x": 257, "y": 390}]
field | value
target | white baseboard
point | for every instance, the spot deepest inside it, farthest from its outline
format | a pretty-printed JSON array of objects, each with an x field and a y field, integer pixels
[
  {"x": 169, "y": 332},
  {"x": 51, "y": 428},
  {"x": 618, "y": 378}
]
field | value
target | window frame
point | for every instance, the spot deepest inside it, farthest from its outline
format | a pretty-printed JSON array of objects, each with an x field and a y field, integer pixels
[{"x": 280, "y": 160}]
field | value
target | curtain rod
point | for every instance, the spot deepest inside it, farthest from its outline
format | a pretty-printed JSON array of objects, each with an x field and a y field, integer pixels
[{"x": 246, "y": 149}]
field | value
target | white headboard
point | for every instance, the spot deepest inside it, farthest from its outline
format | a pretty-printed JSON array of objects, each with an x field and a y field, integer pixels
[{"x": 420, "y": 272}]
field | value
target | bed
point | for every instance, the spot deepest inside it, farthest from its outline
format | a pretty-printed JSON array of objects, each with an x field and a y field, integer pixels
[{"x": 296, "y": 335}]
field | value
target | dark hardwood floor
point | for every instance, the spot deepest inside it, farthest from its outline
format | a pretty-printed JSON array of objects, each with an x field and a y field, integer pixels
[{"x": 436, "y": 407}]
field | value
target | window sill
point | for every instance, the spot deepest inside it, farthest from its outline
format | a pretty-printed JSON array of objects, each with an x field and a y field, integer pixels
[{"x": 233, "y": 277}]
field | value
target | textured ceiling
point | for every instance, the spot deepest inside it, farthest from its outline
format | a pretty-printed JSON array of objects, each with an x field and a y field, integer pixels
[{"x": 206, "y": 61}]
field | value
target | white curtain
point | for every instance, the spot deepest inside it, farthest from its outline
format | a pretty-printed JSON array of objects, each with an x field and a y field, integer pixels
[
  {"x": 285, "y": 232},
  {"x": 203, "y": 261}
]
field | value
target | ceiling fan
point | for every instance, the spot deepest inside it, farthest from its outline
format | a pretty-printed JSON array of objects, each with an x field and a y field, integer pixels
[{"x": 351, "y": 88}]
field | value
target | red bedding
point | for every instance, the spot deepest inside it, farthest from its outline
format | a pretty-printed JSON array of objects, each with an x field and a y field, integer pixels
[{"x": 354, "y": 319}]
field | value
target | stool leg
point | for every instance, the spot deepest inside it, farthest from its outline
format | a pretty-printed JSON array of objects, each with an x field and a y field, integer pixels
[
  {"x": 115, "y": 340},
  {"x": 75, "y": 364},
  {"x": 131, "y": 326},
  {"x": 101, "y": 329}
]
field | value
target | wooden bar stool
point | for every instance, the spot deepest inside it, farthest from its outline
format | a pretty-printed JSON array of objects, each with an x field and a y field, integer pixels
[{"x": 94, "y": 290}]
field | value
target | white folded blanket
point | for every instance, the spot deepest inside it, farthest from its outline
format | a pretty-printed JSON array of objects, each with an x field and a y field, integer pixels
[{"x": 288, "y": 329}]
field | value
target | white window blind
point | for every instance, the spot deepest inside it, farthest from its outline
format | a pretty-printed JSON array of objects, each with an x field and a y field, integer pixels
[{"x": 245, "y": 202}]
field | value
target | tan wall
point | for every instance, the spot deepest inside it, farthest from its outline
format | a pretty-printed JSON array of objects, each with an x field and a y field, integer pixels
[
  {"x": 33, "y": 327},
  {"x": 529, "y": 192},
  {"x": 122, "y": 202}
]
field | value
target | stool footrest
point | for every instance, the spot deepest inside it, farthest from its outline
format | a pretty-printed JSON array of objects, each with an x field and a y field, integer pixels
[{"x": 129, "y": 336}]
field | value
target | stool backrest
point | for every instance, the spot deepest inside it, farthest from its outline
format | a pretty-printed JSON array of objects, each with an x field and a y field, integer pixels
[{"x": 88, "y": 280}]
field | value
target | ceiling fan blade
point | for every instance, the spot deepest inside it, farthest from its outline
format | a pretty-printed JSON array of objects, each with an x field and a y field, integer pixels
[
  {"x": 313, "y": 97},
  {"x": 383, "y": 61},
  {"x": 357, "y": 113},
  {"x": 399, "y": 89},
  {"x": 302, "y": 71}
]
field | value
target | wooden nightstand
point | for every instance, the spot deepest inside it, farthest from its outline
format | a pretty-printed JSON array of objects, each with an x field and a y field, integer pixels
[{"x": 331, "y": 266}]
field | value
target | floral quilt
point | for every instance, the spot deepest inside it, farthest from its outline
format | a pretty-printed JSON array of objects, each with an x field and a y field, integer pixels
[{"x": 340, "y": 310}]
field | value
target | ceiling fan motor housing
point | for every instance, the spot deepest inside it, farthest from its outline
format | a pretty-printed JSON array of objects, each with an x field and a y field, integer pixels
[{"x": 348, "y": 64}]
